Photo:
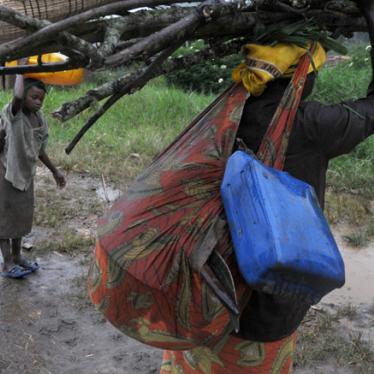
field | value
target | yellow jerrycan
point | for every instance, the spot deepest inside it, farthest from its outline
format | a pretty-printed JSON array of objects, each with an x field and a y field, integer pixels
[{"x": 59, "y": 78}]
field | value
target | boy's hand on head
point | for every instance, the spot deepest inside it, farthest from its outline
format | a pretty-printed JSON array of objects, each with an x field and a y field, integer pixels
[{"x": 59, "y": 178}]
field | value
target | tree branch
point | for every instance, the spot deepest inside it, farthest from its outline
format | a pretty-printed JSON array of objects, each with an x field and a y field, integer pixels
[
  {"x": 137, "y": 81},
  {"x": 144, "y": 23},
  {"x": 50, "y": 31},
  {"x": 156, "y": 42},
  {"x": 17, "y": 19},
  {"x": 71, "y": 109},
  {"x": 127, "y": 35}
]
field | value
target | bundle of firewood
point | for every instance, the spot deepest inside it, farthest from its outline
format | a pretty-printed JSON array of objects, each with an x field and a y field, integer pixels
[
  {"x": 51, "y": 10},
  {"x": 107, "y": 34}
]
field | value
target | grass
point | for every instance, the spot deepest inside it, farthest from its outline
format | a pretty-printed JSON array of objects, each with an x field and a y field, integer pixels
[
  {"x": 347, "y": 311},
  {"x": 50, "y": 210},
  {"x": 322, "y": 342},
  {"x": 65, "y": 215},
  {"x": 126, "y": 139},
  {"x": 361, "y": 238},
  {"x": 66, "y": 241},
  {"x": 353, "y": 209}
]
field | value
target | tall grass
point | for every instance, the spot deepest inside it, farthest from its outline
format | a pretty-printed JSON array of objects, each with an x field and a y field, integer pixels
[{"x": 128, "y": 136}]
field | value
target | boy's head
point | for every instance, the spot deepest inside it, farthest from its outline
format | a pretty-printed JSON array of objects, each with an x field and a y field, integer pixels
[{"x": 34, "y": 93}]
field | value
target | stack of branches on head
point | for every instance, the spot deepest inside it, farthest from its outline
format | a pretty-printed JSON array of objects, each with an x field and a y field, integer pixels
[{"x": 141, "y": 36}]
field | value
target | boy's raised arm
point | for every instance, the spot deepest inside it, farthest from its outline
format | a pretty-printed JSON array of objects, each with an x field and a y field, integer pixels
[
  {"x": 17, "y": 94},
  {"x": 19, "y": 88}
]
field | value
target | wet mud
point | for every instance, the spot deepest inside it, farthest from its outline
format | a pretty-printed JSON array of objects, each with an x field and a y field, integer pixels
[
  {"x": 48, "y": 326},
  {"x": 359, "y": 269}
]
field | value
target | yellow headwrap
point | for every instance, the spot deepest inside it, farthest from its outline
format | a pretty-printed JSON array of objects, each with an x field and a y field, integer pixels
[{"x": 265, "y": 63}]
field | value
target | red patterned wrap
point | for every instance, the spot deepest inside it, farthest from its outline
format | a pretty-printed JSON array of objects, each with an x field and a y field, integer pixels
[
  {"x": 234, "y": 356},
  {"x": 141, "y": 278}
]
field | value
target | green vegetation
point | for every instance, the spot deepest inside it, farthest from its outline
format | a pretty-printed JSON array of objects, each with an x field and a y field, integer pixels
[
  {"x": 125, "y": 140},
  {"x": 322, "y": 341},
  {"x": 68, "y": 242},
  {"x": 363, "y": 235},
  {"x": 345, "y": 81},
  {"x": 211, "y": 76}
]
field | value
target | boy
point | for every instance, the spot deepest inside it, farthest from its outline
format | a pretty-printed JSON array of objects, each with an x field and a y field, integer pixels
[{"x": 25, "y": 142}]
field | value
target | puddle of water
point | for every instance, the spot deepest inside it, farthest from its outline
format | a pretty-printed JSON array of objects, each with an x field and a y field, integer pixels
[{"x": 359, "y": 272}]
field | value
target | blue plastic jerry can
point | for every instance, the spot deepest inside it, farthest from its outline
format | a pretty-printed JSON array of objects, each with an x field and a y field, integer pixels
[{"x": 282, "y": 241}]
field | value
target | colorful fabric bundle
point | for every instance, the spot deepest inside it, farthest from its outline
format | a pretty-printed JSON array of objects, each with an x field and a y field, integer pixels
[
  {"x": 151, "y": 273},
  {"x": 235, "y": 356},
  {"x": 156, "y": 243}
]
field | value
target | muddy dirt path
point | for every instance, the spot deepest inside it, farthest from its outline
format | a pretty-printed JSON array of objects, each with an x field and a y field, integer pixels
[{"x": 47, "y": 324}]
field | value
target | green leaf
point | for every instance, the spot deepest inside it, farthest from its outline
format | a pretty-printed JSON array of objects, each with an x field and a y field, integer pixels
[
  {"x": 332, "y": 44},
  {"x": 299, "y": 33}
]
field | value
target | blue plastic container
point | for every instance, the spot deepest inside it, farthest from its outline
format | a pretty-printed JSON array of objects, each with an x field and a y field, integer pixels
[{"x": 282, "y": 241}]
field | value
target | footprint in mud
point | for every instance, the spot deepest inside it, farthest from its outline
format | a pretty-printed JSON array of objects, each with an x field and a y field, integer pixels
[
  {"x": 58, "y": 327},
  {"x": 142, "y": 361}
]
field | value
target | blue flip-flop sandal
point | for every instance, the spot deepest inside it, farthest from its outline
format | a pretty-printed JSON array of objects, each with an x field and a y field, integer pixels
[
  {"x": 16, "y": 272},
  {"x": 32, "y": 266}
]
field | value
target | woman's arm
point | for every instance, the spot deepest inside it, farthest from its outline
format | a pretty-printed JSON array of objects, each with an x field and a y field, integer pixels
[{"x": 337, "y": 129}]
